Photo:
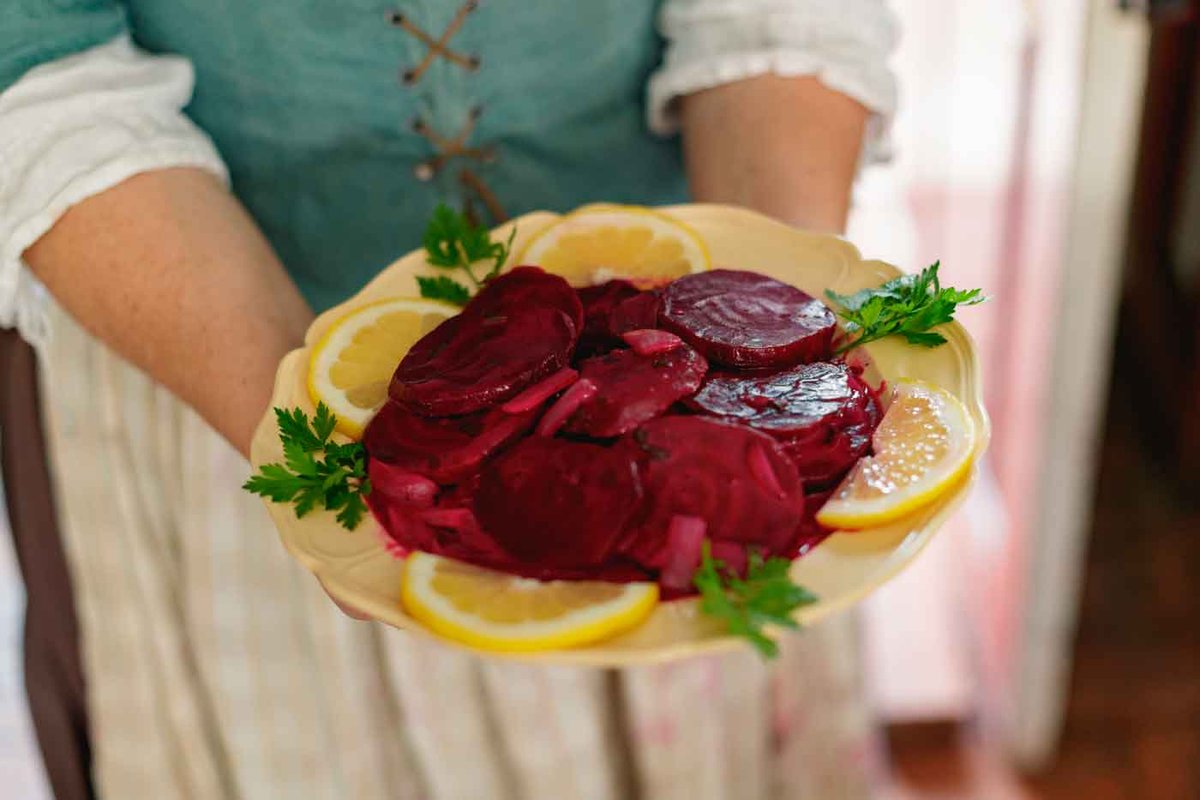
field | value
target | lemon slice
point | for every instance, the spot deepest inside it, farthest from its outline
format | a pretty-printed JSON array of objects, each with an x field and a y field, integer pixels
[
  {"x": 496, "y": 611},
  {"x": 601, "y": 242},
  {"x": 924, "y": 444},
  {"x": 351, "y": 365}
]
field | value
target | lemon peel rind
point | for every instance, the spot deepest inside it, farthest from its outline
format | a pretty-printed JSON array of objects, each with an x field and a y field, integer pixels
[{"x": 631, "y": 609}]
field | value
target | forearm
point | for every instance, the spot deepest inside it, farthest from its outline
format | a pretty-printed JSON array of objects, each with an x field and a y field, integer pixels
[
  {"x": 169, "y": 270},
  {"x": 787, "y": 147}
]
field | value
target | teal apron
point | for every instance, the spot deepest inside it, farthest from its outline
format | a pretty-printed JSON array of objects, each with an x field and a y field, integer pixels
[{"x": 344, "y": 122}]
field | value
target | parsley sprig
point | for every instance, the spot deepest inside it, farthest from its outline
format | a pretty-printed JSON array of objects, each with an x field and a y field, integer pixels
[
  {"x": 316, "y": 470},
  {"x": 453, "y": 243},
  {"x": 766, "y": 596},
  {"x": 907, "y": 306}
]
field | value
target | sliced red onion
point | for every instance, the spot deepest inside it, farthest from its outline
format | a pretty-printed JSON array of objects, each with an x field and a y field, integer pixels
[
  {"x": 685, "y": 539},
  {"x": 558, "y": 414},
  {"x": 761, "y": 470},
  {"x": 650, "y": 342},
  {"x": 540, "y": 392},
  {"x": 400, "y": 485}
]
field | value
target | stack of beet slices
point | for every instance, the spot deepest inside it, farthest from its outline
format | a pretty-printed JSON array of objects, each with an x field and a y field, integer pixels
[{"x": 607, "y": 432}]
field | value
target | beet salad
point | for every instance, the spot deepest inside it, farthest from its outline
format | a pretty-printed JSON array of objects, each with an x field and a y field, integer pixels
[{"x": 606, "y": 432}]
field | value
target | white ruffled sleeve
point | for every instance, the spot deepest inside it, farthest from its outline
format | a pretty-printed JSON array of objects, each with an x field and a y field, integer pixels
[
  {"x": 843, "y": 43},
  {"x": 70, "y": 129}
]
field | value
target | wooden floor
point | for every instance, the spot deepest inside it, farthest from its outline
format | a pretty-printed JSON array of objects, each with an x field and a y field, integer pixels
[
  {"x": 1133, "y": 722},
  {"x": 1133, "y": 726}
]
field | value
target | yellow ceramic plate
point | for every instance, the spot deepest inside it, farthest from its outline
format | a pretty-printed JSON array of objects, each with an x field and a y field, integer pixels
[{"x": 357, "y": 569}]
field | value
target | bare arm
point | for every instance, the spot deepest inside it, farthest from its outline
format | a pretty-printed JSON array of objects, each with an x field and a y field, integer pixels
[
  {"x": 787, "y": 147},
  {"x": 169, "y": 270}
]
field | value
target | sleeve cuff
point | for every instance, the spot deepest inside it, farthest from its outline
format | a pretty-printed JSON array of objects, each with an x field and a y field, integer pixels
[
  {"x": 715, "y": 42},
  {"x": 62, "y": 146}
]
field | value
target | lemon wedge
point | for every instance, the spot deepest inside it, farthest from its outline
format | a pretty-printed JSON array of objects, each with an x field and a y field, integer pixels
[
  {"x": 601, "y": 242},
  {"x": 351, "y": 365},
  {"x": 496, "y": 611},
  {"x": 922, "y": 447}
]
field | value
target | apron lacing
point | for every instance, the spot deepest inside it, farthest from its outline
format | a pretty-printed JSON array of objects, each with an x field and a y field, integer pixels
[
  {"x": 447, "y": 149},
  {"x": 437, "y": 47}
]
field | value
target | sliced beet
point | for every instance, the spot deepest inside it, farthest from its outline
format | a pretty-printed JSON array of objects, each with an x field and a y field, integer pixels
[
  {"x": 822, "y": 413},
  {"x": 598, "y": 302},
  {"x": 522, "y": 287},
  {"x": 558, "y": 503},
  {"x": 519, "y": 329},
  {"x": 700, "y": 467},
  {"x": 612, "y": 308},
  {"x": 788, "y": 402},
  {"x": 823, "y": 459},
  {"x": 635, "y": 313},
  {"x": 742, "y": 319},
  {"x": 733, "y": 556},
  {"x": 445, "y": 450},
  {"x": 402, "y": 524},
  {"x": 633, "y": 388}
]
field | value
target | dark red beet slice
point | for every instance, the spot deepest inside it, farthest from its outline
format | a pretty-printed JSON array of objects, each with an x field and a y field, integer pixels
[
  {"x": 402, "y": 524},
  {"x": 612, "y": 308},
  {"x": 824, "y": 458},
  {"x": 520, "y": 328},
  {"x": 444, "y": 450},
  {"x": 453, "y": 529},
  {"x": 741, "y": 319},
  {"x": 635, "y": 313},
  {"x": 733, "y": 556},
  {"x": 558, "y": 503},
  {"x": 699, "y": 467},
  {"x": 822, "y": 413},
  {"x": 598, "y": 302},
  {"x": 632, "y": 388},
  {"x": 522, "y": 287},
  {"x": 405, "y": 511}
]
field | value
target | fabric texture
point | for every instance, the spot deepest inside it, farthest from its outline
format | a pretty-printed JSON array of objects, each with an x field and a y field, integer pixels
[
  {"x": 53, "y": 661},
  {"x": 220, "y": 670},
  {"x": 72, "y": 128},
  {"x": 321, "y": 142},
  {"x": 844, "y": 43},
  {"x": 217, "y": 668}
]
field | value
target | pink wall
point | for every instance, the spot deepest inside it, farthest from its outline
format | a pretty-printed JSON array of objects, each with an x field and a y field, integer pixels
[{"x": 985, "y": 145}]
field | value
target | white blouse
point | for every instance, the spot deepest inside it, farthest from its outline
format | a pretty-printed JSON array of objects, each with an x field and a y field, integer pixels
[{"x": 74, "y": 127}]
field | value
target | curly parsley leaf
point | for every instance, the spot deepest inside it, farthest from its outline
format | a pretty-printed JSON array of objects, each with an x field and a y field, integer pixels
[
  {"x": 451, "y": 241},
  {"x": 317, "y": 472},
  {"x": 766, "y": 596},
  {"x": 908, "y": 306}
]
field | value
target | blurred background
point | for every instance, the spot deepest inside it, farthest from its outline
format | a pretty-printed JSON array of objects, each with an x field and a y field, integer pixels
[{"x": 1047, "y": 645}]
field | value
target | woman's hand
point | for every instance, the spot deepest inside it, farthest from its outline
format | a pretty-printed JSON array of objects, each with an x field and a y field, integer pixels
[{"x": 787, "y": 147}]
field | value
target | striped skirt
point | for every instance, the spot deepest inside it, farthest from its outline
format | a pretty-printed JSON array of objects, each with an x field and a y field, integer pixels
[{"x": 217, "y": 668}]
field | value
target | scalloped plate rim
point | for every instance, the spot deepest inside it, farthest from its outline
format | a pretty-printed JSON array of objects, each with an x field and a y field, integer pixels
[{"x": 907, "y": 541}]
